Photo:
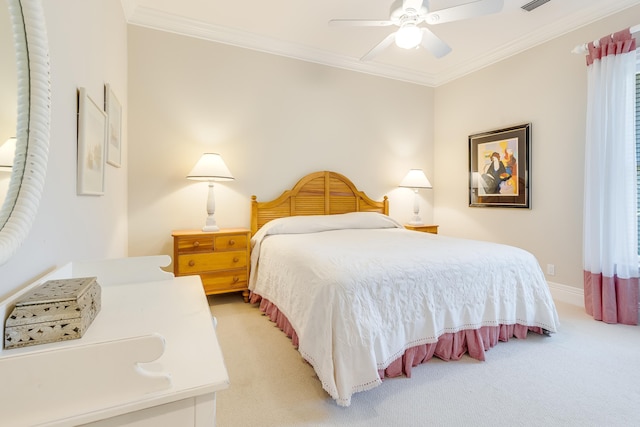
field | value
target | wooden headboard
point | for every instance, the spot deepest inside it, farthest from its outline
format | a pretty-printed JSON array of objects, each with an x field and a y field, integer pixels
[{"x": 319, "y": 193}]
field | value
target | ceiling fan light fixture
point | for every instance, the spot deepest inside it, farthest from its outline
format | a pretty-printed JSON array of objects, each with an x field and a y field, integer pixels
[
  {"x": 408, "y": 36},
  {"x": 408, "y": 15}
]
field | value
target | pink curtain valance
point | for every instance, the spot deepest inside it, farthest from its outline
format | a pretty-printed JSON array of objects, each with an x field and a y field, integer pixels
[{"x": 617, "y": 43}]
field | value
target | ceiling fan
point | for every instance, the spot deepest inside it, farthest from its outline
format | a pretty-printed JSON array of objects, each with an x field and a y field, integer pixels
[{"x": 409, "y": 14}]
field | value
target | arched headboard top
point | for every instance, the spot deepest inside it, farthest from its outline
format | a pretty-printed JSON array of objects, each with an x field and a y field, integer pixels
[{"x": 319, "y": 193}]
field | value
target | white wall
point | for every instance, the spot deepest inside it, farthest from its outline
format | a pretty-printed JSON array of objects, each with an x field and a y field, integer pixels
[
  {"x": 273, "y": 119},
  {"x": 88, "y": 45},
  {"x": 545, "y": 86}
]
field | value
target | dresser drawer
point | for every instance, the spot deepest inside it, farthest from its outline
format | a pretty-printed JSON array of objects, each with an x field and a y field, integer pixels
[
  {"x": 195, "y": 244},
  {"x": 230, "y": 242},
  {"x": 224, "y": 281},
  {"x": 208, "y": 244},
  {"x": 201, "y": 263}
]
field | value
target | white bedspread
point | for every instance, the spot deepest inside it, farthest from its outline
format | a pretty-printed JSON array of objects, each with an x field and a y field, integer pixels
[{"x": 359, "y": 297}]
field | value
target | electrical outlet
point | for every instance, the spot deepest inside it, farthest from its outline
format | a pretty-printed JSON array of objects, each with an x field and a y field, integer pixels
[{"x": 551, "y": 269}]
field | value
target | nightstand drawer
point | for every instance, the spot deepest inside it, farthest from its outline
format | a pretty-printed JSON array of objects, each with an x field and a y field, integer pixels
[
  {"x": 195, "y": 244},
  {"x": 230, "y": 242},
  {"x": 202, "y": 263},
  {"x": 224, "y": 281}
]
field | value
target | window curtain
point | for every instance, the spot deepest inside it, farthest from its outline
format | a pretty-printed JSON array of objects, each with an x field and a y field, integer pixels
[{"x": 610, "y": 219}]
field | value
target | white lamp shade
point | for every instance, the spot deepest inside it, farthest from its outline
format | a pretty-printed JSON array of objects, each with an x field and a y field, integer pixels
[
  {"x": 210, "y": 167},
  {"x": 415, "y": 179},
  {"x": 408, "y": 36},
  {"x": 7, "y": 154}
]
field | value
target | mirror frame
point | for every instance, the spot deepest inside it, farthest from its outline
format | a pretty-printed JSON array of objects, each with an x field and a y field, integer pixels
[{"x": 32, "y": 130}]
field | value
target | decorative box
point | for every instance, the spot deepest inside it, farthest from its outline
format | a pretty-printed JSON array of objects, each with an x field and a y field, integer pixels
[{"x": 55, "y": 311}]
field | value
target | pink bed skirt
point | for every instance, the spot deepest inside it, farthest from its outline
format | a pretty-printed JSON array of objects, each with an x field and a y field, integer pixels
[{"x": 450, "y": 346}]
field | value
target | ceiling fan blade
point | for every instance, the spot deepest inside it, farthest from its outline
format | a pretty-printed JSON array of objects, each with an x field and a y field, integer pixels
[
  {"x": 411, "y": 4},
  {"x": 379, "y": 47},
  {"x": 434, "y": 44},
  {"x": 359, "y": 23},
  {"x": 464, "y": 11}
]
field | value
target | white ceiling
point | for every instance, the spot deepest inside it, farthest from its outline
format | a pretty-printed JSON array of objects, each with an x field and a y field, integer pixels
[{"x": 299, "y": 29}]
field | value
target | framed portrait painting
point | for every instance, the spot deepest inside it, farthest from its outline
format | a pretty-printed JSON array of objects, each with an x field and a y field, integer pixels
[
  {"x": 92, "y": 127},
  {"x": 499, "y": 167}
]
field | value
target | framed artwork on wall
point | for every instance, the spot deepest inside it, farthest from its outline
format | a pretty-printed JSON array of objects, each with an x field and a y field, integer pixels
[
  {"x": 92, "y": 131},
  {"x": 499, "y": 167},
  {"x": 114, "y": 129}
]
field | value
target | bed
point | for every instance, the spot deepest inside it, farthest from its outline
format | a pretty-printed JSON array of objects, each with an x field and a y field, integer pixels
[{"x": 362, "y": 298}]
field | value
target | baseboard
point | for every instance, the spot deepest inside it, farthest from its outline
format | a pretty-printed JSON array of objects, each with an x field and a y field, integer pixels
[{"x": 568, "y": 294}]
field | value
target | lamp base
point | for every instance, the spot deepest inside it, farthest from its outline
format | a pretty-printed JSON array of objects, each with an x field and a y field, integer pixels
[
  {"x": 210, "y": 223},
  {"x": 416, "y": 222}
]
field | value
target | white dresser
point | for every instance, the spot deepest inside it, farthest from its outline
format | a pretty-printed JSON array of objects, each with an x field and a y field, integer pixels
[{"x": 150, "y": 358}]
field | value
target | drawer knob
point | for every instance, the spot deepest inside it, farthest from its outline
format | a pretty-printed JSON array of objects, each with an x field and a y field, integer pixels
[
  {"x": 232, "y": 242},
  {"x": 236, "y": 259},
  {"x": 191, "y": 263},
  {"x": 235, "y": 279},
  {"x": 196, "y": 244}
]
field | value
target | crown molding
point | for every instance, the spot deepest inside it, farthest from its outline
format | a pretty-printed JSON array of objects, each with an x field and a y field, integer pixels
[
  {"x": 163, "y": 21},
  {"x": 128, "y": 8},
  {"x": 154, "y": 19},
  {"x": 544, "y": 34}
]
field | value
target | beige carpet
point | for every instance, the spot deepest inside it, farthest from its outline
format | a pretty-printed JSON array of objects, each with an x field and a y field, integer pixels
[{"x": 588, "y": 374}]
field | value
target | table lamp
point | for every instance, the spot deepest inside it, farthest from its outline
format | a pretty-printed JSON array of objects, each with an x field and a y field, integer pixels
[
  {"x": 416, "y": 179},
  {"x": 210, "y": 168}
]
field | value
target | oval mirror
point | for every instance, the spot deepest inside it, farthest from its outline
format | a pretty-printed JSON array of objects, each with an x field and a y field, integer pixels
[{"x": 27, "y": 172}]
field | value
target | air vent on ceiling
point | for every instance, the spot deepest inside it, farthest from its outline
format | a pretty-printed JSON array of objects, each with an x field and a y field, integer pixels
[{"x": 534, "y": 4}]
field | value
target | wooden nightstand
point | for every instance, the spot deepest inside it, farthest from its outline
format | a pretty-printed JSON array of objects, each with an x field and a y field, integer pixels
[
  {"x": 433, "y": 229},
  {"x": 221, "y": 258}
]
